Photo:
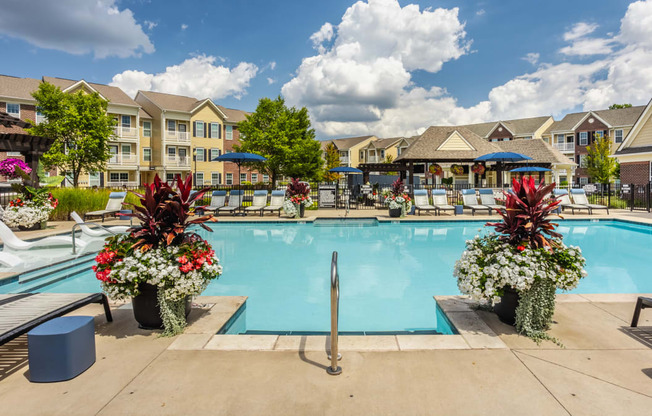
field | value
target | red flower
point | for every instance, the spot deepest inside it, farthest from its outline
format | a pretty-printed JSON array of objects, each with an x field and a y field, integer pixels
[
  {"x": 520, "y": 248},
  {"x": 183, "y": 259},
  {"x": 186, "y": 267}
]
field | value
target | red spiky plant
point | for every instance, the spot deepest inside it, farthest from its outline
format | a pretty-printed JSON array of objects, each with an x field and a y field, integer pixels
[
  {"x": 526, "y": 218},
  {"x": 165, "y": 214}
]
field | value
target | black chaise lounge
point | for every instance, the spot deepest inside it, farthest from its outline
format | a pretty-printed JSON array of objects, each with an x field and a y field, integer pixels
[
  {"x": 19, "y": 313},
  {"x": 641, "y": 303}
]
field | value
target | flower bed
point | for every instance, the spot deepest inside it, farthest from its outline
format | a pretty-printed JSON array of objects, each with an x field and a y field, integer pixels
[
  {"x": 26, "y": 214},
  {"x": 397, "y": 198},
  {"x": 296, "y": 194}
]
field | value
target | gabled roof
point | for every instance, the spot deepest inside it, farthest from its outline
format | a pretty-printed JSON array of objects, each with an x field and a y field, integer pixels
[
  {"x": 537, "y": 149},
  {"x": 589, "y": 115},
  {"x": 20, "y": 88},
  {"x": 426, "y": 145},
  {"x": 233, "y": 115},
  {"x": 143, "y": 114},
  {"x": 112, "y": 94},
  {"x": 518, "y": 127},
  {"x": 617, "y": 118},
  {"x": 640, "y": 121},
  {"x": 180, "y": 103},
  {"x": 346, "y": 142},
  {"x": 385, "y": 143}
]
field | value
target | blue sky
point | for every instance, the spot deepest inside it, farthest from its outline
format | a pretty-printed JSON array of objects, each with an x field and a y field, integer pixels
[{"x": 381, "y": 67}]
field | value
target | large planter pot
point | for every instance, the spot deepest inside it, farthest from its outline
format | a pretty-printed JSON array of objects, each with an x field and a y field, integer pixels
[
  {"x": 506, "y": 309},
  {"x": 302, "y": 210},
  {"x": 146, "y": 310},
  {"x": 38, "y": 226},
  {"x": 395, "y": 213}
]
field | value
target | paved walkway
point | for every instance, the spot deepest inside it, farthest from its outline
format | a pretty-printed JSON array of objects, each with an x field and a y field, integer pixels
[{"x": 604, "y": 369}]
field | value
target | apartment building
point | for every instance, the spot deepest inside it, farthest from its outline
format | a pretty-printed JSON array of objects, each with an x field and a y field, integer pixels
[
  {"x": 506, "y": 130},
  {"x": 635, "y": 152},
  {"x": 352, "y": 149},
  {"x": 576, "y": 131},
  {"x": 232, "y": 138}
]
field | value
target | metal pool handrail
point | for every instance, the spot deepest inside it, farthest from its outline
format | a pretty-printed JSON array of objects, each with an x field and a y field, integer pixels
[
  {"x": 334, "y": 369},
  {"x": 78, "y": 225}
]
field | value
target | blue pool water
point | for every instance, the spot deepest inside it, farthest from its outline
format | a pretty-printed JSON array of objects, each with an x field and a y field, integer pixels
[{"x": 388, "y": 272}]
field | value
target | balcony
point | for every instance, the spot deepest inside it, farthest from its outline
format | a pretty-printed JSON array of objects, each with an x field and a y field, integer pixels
[
  {"x": 564, "y": 147},
  {"x": 122, "y": 132},
  {"x": 177, "y": 136},
  {"x": 123, "y": 160},
  {"x": 373, "y": 159},
  {"x": 178, "y": 162},
  {"x": 344, "y": 160}
]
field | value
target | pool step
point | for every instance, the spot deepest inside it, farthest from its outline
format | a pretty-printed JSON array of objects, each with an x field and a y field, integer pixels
[
  {"x": 48, "y": 270},
  {"x": 36, "y": 283}
]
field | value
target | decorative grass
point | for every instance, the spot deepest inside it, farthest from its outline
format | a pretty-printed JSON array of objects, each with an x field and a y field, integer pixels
[{"x": 82, "y": 201}]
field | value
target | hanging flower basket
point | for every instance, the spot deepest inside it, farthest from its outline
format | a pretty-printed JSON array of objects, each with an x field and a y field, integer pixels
[
  {"x": 478, "y": 168},
  {"x": 436, "y": 170},
  {"x": 457, "y": 169}
]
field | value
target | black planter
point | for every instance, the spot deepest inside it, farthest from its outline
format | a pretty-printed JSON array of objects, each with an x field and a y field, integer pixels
[
  {"x": 506, "y": 309},
  {"x": 146, "y": 310},
  {"x": 302, "y": 210},
  {"x": 38, "y": 226},
  {"x": 395, "y": 213}
]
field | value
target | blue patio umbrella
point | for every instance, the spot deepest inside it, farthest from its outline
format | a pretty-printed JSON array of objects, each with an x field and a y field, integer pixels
[
  {"x": 530, "y": 169},
  {"x": 239, "y": 158},
  {"x": 501, "y": 157},
  {"x": 345, "y": 169}
]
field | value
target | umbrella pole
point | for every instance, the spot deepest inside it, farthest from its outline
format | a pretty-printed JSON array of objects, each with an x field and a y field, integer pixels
[{"x": 240, "y": 186}]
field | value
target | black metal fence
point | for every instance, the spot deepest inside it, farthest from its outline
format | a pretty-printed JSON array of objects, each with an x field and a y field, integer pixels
[{"x": 619, "y": 196}]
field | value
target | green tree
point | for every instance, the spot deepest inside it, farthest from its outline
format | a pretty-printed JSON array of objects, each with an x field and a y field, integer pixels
[
  {"x": 617, "y": 106},
  {"x": 332, "y": 161},
  {"x": 80, "y": 127},
  {"x": 284, "y": 136},
  {"x": 389, "y": 159},
  {"x": 602, "y": 168}
]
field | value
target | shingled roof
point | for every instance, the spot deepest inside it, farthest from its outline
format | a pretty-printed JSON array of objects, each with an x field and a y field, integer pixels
[
  {"x": 519, "y": 127},
  {"x": 172, "y": 102},
  {"x": 346, "y": 142},
  {"x": 537, "y": 149},
  {"x": 233, "y": 115},
  {"x": 20, "y": 88},
  {"x": 113, "y": 94},
  {"x": 616, "y": 118},
  {"x": 425, "y": 146}
]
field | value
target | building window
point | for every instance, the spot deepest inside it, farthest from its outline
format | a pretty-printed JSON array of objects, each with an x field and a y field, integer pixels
[
  {"x": 169, "y": 177},
  {"x": 266, "y": 178},
  {"x": 361, "y": 155},
  {"x": 584, "y": 138},
  {"x": 118, "y": 177},
  {"x": 40, "y": 118},
  {"x": 147, "y": 129},
  {"x": 618, "y": 136},
  {"x": 14, "y": 154},
  {"x": 229, "y": 179},
  {"x": 229, "y": 132},
  {"x": 13, "y": 109},
  {"x": 506, "y": 139},
  {"x": 147, "y": 154},
  {"x": 598, "y": 134},
  {"x": 254, "y": 178},
  {"x": 172, "y": 152},
  {"x": 584, "y": 180},
  {"x": 172, "y": 126},
  {"x": 199, "y": 129},
  {"x": 126, "y": 121},
  {"x": 215, "y": 130},
  {"x": 493, "y": 140},
  {"x": 199, "y": 152},
  {"x": 126, "y": 149},
  {"x": 199, "y": 178},
  {"x": 215, "y": 153},
  {"x": 243, "y": 177},
  {"x": 216, "y": 178},
  {"x": 527, "y": 137}
]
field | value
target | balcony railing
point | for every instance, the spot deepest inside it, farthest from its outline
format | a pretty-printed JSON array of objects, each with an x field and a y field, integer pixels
[
  {"x": 565, "y": 147},
  {"x": 125, "y": 132},
  {"x": 178, "y": 161},
  {"x": 120, "y": 184},
  {"x": 344, "y": 159},
  {"x": 373, "y": 159},
  {"x": 123, "y": 159},
  {"x": 177, "y": 136}
]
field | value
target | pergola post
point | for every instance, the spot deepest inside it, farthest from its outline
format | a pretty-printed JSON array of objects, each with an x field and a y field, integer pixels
[{"x": 411, "y": 170}]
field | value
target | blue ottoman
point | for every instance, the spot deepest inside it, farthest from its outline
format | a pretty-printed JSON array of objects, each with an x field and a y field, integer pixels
[
  {"x": 61, "y": 348},
  {"x": 459, "y": 209}
]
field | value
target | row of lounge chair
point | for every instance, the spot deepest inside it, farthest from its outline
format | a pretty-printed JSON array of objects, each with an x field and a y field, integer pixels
[
  {"x": 579, "y": 202},
  {"x": 219, "y": 202},
  {"x": 470, "y": 201}
]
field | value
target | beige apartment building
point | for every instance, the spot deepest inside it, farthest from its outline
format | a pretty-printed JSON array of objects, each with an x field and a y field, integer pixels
[{"x": 352, "y": 150}]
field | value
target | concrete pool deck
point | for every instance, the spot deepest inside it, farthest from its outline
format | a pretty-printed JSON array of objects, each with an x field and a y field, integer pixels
[{"x": 605, "y": 368}]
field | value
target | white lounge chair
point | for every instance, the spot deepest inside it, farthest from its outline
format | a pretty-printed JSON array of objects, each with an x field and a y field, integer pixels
[
  {"x": 421, "y": 202},
  {"x": 11, "y": 241},
  {"x": 259, "y": 202},
  {"x": 440, "y": 201},
  {"x": 234, "y": 203},
  {"x": 487, "y": 199},
  {"x": 470, "y": 201},
  {"x": 579, "y": 198},
  {"x": 99, "y": 231},
  {"x": 9, "y": 260},
  {"x": 218, "y": 200},
  {"x": 113, "y": 206},
  {"x": 275, "y": 202},
  {"x": 565, "y": 201}
]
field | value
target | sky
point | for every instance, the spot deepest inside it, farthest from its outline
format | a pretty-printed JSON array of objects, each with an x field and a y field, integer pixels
[{"x": 383, "y": 67}]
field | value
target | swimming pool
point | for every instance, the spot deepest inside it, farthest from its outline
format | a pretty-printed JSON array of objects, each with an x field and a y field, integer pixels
[{"x": 389, "y": 272}]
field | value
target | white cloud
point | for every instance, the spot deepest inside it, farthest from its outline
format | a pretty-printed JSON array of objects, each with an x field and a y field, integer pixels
[
  {"x": 272, "y": 65},
  {"x": 586, "y": 47},
  {"x": 531, "y": 57},
  {"x": 184, "y": 26},
  {"x": 480, "y": 12},
  {"x": 196, "y": 77},
  {"x": 324, "y": 34},
  {"x": 150, "y": 25},
  {"x": 76, "y": 26},
  {"x": 270, "y": 81},
  {"x": 579, "y": 30}
]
